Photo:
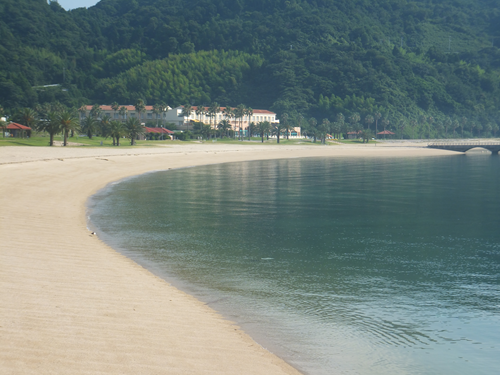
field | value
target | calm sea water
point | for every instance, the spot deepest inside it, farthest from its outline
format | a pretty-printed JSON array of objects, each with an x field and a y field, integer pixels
[{"x": 362, "y": 266}]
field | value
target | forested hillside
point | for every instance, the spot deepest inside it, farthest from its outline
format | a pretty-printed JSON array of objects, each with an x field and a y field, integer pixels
[{"x": 316, "y": 58}]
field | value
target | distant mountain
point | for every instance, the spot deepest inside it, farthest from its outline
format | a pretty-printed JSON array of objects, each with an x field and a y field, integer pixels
[{"x": 318, "y": 57}]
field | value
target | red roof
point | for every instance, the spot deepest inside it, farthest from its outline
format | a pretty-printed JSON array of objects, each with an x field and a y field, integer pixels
[
  {"x": 16, "y": 126},
  {"x": 386, "y": 132},
  {"x": 158, "y": 130}
]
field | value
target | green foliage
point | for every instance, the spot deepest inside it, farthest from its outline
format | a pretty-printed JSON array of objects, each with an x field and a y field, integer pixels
[{"x": 317, "y": 58}]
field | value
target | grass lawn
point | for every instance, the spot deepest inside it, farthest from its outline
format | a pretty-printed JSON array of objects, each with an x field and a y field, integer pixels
[{"x": 38, "y": 140}]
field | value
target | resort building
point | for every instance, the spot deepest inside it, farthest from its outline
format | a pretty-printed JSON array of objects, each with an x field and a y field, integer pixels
[{"x": 175, "y": 116}]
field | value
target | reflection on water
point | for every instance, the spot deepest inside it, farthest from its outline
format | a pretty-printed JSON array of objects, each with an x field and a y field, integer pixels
[{"x": 364, "y": 266}]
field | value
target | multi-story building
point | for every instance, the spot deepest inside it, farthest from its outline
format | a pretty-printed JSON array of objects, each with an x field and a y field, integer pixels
[{"x": 176, "y": 116}]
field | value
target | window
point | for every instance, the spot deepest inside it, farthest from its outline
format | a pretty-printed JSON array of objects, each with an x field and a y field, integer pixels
[
  {"x": 150, "y": 115},
  {"x": 116, "y": 115}
]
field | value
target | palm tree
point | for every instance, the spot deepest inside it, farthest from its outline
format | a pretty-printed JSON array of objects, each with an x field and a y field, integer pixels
[
  {"x": 28, "y": 117},
  {"x": 224, "y": 127},
  {"x": 134, "y": 129},
  {"x": 186, "y": 113},
  {"x": 89, "y": 126},
  {"x": 251, "y": 129},
  {"x": 164, "y": 110},
  {"x": 156, "y": 111},
  {"x": 277, "y": 128},
  {"x": 212, "y": 113},
  {"x": 50, "y": 125},
  {"x": 116, "y": 131},
  {"x": 264, "y": 127},
  {"x": 312, "y": 124},
  {"x": 354, "y": 120},
  {"x": 376, "y": 116},
  {"x": 239, "y": 112},
  {"x": 105, "y": 122},
  {"x": 249, "y": 113},
  {"x": 96, "y": 111},
  {"x": 83, "y": 111},
  {"x": 402, "y": 125},
  {"x": 3, "y": 124},
  {"x": 385, "y": 123},
  {"x": 285, "y": 124},
  {"x": 139, "y": 108},
  {"x": 369, "y": 120},
  {"x": 200, "y": 110},
  {"x": 228, "y": 114},
  {"x": 115, "y": 107},
  {"x": 68, "y": 120},
  {"x": 323, "y": 129},
  {"x": 123, "y": 112}
]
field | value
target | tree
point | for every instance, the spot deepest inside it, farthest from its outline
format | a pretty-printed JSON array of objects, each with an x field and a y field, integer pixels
[
  {"x": 96, "y": 111},
  {"x": 366, "y": 134},
  {"x": 377, "y": 116},
  {"x": 157, "y": 110},
  {"x": 134, "y": 129},
  {"x": 228, "y": 114},
  {"x": 413, "y": 124},
  {"x": 369, "y": 120},
  {"x": 354, "y": 120},
  {"x": 312, "y": 127},
  {"x": 252, "y": 127},
  {"x": 447, "y": 124},
  {"x": 285, "y": 124},
  {"x": 123, "y": 112},
  {"x": 249, "y": 113},
  {"x": 51, "y": 125},
  {"x": 28, "y": 117},
  {"x": 68, "y": 120},
  {"x": 116, "y": 131},
  {"x": 264, "y": 127},
  {"x": 463, "y": 122},
  {"x": 3, "y": 123},
  {"x": 200, "y": 110},
  {"x": 164, "y": 110},
  {"x": 239, "y": 112},
  {"x": 277, "y": 128},
  {"x": 224, "y": 127},
  {"x": 139, "y": 108},
  {"x": 115, "y": 107},
  {"x": 89, "y": 126},
  {"x": 104, "y": 124},
  {"x": 186, "y": 112},
  {"x": 213, "y": 110},
  {"x": 455, "y": 125},
  {"x": 323, "y": 130}
]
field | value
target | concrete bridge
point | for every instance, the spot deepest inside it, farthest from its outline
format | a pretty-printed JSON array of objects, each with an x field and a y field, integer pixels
[{"x": 494, "y": 147}]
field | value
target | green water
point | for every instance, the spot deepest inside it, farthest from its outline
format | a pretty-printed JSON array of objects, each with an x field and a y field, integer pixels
[{"x": 362, "y": 266}]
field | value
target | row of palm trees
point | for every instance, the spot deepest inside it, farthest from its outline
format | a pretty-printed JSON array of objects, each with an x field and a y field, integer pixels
[{"x": 56, "y": 119}]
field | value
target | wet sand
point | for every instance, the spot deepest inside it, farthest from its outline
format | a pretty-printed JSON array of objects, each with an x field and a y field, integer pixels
[{"x": 72, "y": 305}]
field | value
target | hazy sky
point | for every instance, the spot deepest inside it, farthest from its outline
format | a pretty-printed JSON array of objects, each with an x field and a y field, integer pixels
[{"x": 72, "y": 4}]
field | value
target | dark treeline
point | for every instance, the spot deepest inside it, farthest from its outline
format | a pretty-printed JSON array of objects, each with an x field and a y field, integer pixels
[{"x": 408, "y": 61}]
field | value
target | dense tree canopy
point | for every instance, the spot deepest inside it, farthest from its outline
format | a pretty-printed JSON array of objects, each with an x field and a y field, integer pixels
[{"x": 399, "y": 58}]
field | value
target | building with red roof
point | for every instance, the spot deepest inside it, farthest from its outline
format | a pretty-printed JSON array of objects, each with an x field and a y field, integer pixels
[{"x": 18, "y": 130}]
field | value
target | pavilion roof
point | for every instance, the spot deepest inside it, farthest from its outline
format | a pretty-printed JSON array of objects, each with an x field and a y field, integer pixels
[
  {"x": 158, "y": 130},
  {"x": 16, "y": 126},
  {"x": 386, "y": 132}
]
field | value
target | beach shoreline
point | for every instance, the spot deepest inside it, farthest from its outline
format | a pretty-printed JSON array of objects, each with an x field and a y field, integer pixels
[{"x": 72, "y": 304}]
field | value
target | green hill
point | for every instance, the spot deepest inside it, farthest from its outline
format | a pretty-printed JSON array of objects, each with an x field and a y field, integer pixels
[{"x": 318, "y": 57}]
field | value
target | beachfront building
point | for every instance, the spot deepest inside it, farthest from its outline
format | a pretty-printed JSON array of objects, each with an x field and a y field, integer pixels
[
  {"x": 149, "y": 114},
  {"x": 202, "y": 115}
]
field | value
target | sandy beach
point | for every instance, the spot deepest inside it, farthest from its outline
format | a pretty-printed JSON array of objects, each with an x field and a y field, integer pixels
[{"x": 72, "y": 305}]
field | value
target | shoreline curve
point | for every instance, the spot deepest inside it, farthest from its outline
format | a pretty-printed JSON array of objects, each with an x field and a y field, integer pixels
[{"x": 72, "y": 304}]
